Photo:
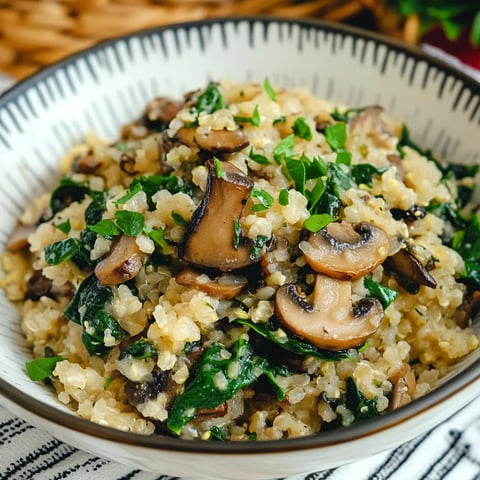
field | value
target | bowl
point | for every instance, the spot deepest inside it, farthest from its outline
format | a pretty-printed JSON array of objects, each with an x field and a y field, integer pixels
[{"x": 106, "y": 86}]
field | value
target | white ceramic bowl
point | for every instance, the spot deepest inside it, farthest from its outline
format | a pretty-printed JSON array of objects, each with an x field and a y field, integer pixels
[{"x": 108, "y": 85}]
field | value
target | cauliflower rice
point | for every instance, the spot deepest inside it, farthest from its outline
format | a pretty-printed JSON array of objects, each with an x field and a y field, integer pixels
[{"x": 246, "y": 264}]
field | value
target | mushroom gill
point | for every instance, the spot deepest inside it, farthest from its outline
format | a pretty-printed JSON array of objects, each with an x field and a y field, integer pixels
[
  {"x": 210, "y": 240},
  {"x": 328, "y": 319},
  {"x": 346, "y": 251}
]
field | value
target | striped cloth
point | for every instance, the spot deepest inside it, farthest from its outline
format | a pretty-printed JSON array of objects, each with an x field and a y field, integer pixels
[{"x": 449, "y": 452}]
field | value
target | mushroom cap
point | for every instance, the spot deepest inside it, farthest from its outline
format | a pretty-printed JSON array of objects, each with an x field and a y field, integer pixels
[
  {"x": 225, "y": 286},
  {"x": 345, "y": 251},
  {"x": 209, "y": 241},
  {"x": 215, "y": 141},
  {"x": 123, "y": 262},
  {"x": 328, "y": 319}
]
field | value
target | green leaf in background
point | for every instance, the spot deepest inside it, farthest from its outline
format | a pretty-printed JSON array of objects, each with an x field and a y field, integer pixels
[
  {"x": 475, "y": 30},
  {"x": 269, "y": 89}
]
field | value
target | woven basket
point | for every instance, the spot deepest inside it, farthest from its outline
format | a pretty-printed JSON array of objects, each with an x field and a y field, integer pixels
[{"x": 34, "y": 33}]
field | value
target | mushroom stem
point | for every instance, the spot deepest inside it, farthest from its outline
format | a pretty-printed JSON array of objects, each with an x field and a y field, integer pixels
[
  {"x": 210, "y": 239},
  {"x": 328, "y": 319}
]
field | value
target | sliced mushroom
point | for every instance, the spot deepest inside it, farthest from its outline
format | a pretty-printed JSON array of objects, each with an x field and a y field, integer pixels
[
  {"x": 160, "y": 112},
  {"x": 214, "y": 412},
  {"x": 469, "y": 310},
  {"x": 328, "y": 319},
  {"x": 322, "y": 121},
  {"x": 225, "y": 286},
  {"x": 134, "y": 131},
  {"x": 215, "y": 141},
  {"x": 127, "y": 164},
  {"x": 211, "y": 233},
  {"x": 404, "y": 385},
  {"x": 409, "y": 272},
  {"x": 19, "y": 238},
  {"x": 122, "y": 263},
  {"x": 38, "y": 286},
  {"x": 346, "y": 251},
  {"x": 87, "y": 163}
]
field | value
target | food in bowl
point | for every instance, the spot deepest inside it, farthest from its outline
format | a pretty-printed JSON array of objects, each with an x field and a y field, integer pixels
[{"x": 247, "y": 263}]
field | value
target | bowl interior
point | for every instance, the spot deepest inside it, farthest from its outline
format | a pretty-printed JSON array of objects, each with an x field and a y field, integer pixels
[{"x": 106, "y": 86}]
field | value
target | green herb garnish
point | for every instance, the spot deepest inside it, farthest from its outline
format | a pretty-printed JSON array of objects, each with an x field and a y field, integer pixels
[
  {"x": 317, "y": 221},
  {"x": 256, "y": 157},
  {"x": 139, "y": 350},
  {"x": 269, "y": 90},
  {"x": 130, "y": 223},
  {"x": 42, "y": 368},
  {"x": 266, "y": 200},
  {"x": 65, "y": 226},
  {"x": 178, "y": 219},
  {"x": 283, "y": 197},
  {"x": 105, "y": 228},
  {"x": 302, "y": 129},
  {"x": 284, "y": 149},
  {"x": 384, "y": 294}
]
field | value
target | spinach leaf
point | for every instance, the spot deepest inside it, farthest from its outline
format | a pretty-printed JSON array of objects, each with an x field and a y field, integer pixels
[
  {"x": 214, "y": 380},
  {"x": 140, "y": 350},
  {"x": 384, "y": 294},
  {"x": 178, "y": 219},
  {"x": 467, "y": 243},
  {"x": 356, "y": 401},
  {"x": 88, "y": 308},
  {"x": 217, "y": 434},
  {"x": 42, "y": 368},
  {"x": 152, "y": 184},
  {"x": 67, "y": 192},
  {"x": 363, "y": 173},
  {"x": 272, "y": 331},
  {"x": 68, "y": 249}
]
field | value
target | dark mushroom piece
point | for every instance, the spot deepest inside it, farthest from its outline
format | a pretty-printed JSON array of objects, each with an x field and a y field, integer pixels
[
  {"x": 215, "y": 141},
  {"x": 224, "y": 286},
  {"x": 122, "y": 263},
  {"x": 404, "y": 385},
  {"x": 409, "y": 272},
  {"x": 346, "y": 251},
  {"x": 87, "y": 163},
  {"x": 210, "y": 238},
  {"x": 328, "y": 319},
  {"x": 38, "y": 286},
  {"x": 160, "y": 112}
]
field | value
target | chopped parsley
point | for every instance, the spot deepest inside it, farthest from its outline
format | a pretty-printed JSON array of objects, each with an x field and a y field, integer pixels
[
  {"x": 284, "y": 149},
  {"x": 254, "y": 119},
  {"x": 210, "y": 100},
  {"x": 42, "y": 368},
  {"x": 65, "y": 227},
  {"x": 178, "y": 219},
  {"x": 130, "y": 223},
  {"x": 219, "y": 173},
  {"x": 384, "y": 294},
  {"x": 317, "y": 221},
  {"x": 256, "y": 157},
  {"x": 269, "y": 90},
  {"x": 140, "y": 350},
  {"x": 265, "y": 199},
  {"x": 301, "y": 129},
  {"x": 283, "y": 197},
  {"x": 105, "y": 228}
]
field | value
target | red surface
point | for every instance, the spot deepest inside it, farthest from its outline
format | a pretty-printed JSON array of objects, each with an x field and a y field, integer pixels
[{"x": 461, "y": 48}]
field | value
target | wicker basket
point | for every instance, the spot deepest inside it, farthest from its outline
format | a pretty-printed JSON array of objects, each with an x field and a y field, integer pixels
[{"x": 34, "y": 33}]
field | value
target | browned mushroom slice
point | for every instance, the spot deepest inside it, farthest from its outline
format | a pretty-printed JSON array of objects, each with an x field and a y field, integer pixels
[
  {"x": 215, "y": 141},
  {"x": 209, "y": 241},
  {"x": 160, "y": 112},
  {"x": 127, "y": 164},
  {"x": 328, "y": 319},
  {"x": 404, "y": 385},
  {"x": 469, "y": 310},
  {"x": 19, "y": 238},
  {"x": 134, "y": 131},
  {"x": 225, "y": 286},
  {"x": 214, "y": 412},
  {"x": 122, "y": 263},
  {"x": 346, "y": 251},
  {"x": 409, "y": 271},
  {"x": 87, "y": 164}
]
